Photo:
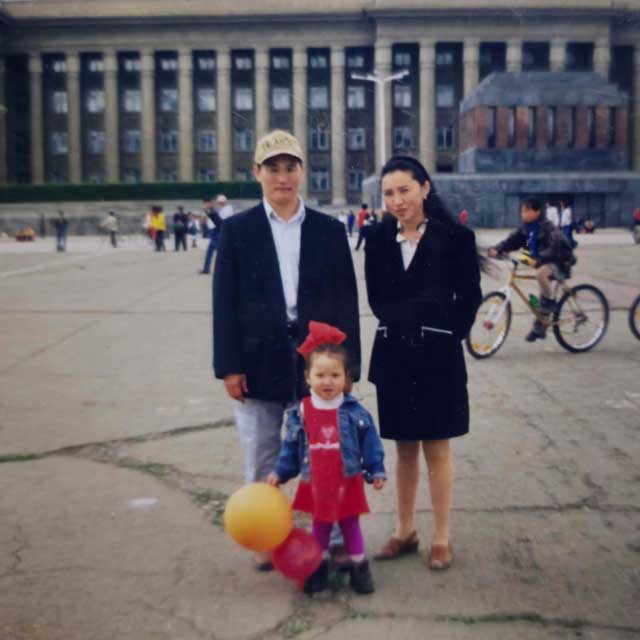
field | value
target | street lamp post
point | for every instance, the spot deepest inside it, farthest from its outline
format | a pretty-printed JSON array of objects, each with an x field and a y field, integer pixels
[{"x": 380, "y": 81}]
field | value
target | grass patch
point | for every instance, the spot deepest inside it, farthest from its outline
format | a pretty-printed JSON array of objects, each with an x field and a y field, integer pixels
[{"x": 19, "y": 457}]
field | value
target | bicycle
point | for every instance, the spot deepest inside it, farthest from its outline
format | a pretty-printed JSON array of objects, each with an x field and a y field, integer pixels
[
  {"x": 634, "y": 317},
  {"x": 579, "y": 322}
]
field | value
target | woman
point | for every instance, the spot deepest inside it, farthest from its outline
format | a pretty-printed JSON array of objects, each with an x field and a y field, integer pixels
[{"x": 423, "y": 284}]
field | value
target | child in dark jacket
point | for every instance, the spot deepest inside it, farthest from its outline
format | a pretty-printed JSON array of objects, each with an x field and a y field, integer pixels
[
  {"x": 331, "y": 440},
  {"x": 550, "y": 253}
]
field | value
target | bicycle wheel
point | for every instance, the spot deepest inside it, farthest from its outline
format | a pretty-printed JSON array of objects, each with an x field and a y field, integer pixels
[
  {"x": 581, "y": 318},
  {"x": 634, "y": 318},
  {"x": 491, "y": 326}
]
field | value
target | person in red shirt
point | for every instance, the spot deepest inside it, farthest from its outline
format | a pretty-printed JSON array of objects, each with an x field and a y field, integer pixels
[{"x": 363, "y": 216}]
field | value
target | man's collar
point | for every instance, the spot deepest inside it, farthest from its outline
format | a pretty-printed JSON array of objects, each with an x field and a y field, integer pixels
[{"x": 272, "y": 213}]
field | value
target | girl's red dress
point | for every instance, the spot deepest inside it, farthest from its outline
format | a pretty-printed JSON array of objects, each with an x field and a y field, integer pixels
[{"x": 329, "y": 496}]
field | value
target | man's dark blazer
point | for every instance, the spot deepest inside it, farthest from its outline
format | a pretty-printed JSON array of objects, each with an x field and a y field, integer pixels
[{"x": 249, "y": 313}]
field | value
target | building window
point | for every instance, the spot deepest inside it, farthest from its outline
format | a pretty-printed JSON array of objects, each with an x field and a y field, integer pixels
[
  {"x": 445, "y": 137},
  {"x": 318, "y": 61},
  {"x": 491, "y": 127},
  {"x": 206, "y": 175},
  {"x": 531, "y": 127},
  {"x": 511, "y": 127},
  {"x": 59, "y": 102},
  {"x": 132, "y": 141},
  {"x": 356, "y": 139},
  {"x": 59, "y": 66},
  {"x": 243, "y": 63},
  {"x": 243, "y": 98},
  {"x": 579, "y": 56},
  {"x": 169, "y": 141},
  {"x": 612, "y": 127},
  {"x": 355, "y": 97},
  {"x": 355, "y": 61},
  {"x": 131, "y": 102},
  {"x": 206, "y": 140},
  {"x": 95, "y": 101},
  {"x": 131, "y": 175},
  {"x": 402, "y": 138},
  {"x": 591, "y": 127},
  {"x": 280, "y": 62},
  {"x": 354, "y": 179},
  {"x": 319, "y": 138},
  {"x": 95, "y": 142},
  {"x": 132, "y": 64},
  {"x": 206, "y": 100},
  {"x": 59, "y": 143},
  {"x": 402, "y": 59},
  {"x": 243, "y": 175},
  {"x": 402, "y": 96},
  {"x": 168, "y": 100},
  {"x": 444, "y": 58},
  {"x": 168, "y": 64},
  {"x": 281, "y": 98},
  {"x": 445, "y": 95},
  {"x": 169, "y": 175},
  {"x": 551, "y": 126},
  {"x": 206, "y": 63},
  {"x": 318, "y": 97},
  {"x": 571, "y": 129},
  {"x": 95, "y": 65},
  {"x": 319, "y": 180},
  {"x": 535, "y": 56},
  {"x": 243, "y": 139}
]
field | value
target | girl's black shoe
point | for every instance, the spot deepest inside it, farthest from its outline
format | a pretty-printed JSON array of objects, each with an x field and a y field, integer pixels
[
  {"x": 361, "y": 580},
  {"x": 318, "y": 580}
]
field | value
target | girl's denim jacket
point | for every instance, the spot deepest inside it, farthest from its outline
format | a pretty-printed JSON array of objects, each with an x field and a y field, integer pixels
[{"x": 360, "y": 444}]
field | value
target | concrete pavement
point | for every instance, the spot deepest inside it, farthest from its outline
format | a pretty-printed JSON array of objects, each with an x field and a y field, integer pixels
[{"x": 118, "y": 452}]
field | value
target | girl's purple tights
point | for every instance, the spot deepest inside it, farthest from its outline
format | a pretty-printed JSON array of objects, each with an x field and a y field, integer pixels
[{"x": 351, "y": 532}]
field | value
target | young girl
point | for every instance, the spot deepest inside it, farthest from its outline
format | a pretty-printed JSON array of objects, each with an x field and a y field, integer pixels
[{"x": 330, "y": 440}]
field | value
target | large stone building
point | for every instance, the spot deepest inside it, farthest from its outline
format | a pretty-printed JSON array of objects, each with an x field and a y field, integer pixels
[{"x": 108, "y": 91}]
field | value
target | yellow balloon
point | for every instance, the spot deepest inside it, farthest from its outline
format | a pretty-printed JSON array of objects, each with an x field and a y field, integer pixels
[{"x": 258, "y": 517}]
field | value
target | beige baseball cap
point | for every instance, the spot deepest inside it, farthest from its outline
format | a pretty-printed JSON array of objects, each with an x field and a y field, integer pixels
[{"x": 276, "y": 143}]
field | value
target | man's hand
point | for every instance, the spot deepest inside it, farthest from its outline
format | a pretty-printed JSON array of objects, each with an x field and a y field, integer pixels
[
  {"x": 492, "y": 253},
  {"x": 378, "y": 483},
  {"x": 236, "y": 385},
  {"x": 273, "y": 479}
]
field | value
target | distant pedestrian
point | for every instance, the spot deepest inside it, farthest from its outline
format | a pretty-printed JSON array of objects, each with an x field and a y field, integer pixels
[
  {"x": 193, "y": 226},
  {"x": 552, "y": 214},
  {"x": 214, "y": 223},
  {"x": 566, "y": 223},
  {"x": 110, "y": 225},
  {"x": 180, "y": 223},
  {"x": 61, "y": 225},
  {"x": 225, "y": 209},
  {"x": 363, "y": 216},
  {"x": 159, "y": 224},
  {"x": 463, "y": 217},
  {"x": 351, "y": 220}
]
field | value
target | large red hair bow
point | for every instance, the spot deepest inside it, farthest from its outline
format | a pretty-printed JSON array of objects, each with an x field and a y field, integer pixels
[{"x": 320, "y": 333}]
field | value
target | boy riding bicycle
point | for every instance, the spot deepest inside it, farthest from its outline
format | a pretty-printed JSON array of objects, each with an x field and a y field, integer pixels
[{"x": 550, "y": 254}]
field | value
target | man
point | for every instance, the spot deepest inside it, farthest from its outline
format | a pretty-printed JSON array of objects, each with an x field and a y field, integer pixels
[
  {"x": 363, "y": 217},
  {"x": 110, "y": 225},
  {"x": 552, "y": 214},
  {"x": 566, "y": 223},
  {"x": 225, "y": 210},
  {"x": 279, "y": 265},
  {"x": 213, "y": 220},
  {"x": 61, "y": 224},
  {"x": 180, "y": 222}
]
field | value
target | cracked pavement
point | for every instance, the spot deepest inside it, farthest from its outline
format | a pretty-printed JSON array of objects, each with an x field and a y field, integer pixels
[{"x": 117, "y": 453}]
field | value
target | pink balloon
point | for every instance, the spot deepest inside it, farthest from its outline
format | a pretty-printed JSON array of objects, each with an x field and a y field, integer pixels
[{"x": 298, "y": 556}]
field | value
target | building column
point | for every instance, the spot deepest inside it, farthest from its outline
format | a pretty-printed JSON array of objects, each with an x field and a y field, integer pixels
[
  {"x": 111, "y": 112},
  {"x": 37, "y": 125},
  {"x": 337, "y": 126},
  {"x": 300, "y": 105},
  {"x": 514, "y": 55},
  {"x": 428, "y": 104},
  {"x": 636, "y": 109},
  {"x": 471, "y": 59},
  {"x": 185, "y": 115},
  {"x": 3, "y": 126},
  {"x": 74, "y": 121},
  {"x": 602, "y": 58},
  {"x": 383, "y": 69},
  {"x": 148, "y": 116},
  {"x": 223, "y": 106},
  {"x": 558, "y": 55},
  {"x": 262, "y": 102}
]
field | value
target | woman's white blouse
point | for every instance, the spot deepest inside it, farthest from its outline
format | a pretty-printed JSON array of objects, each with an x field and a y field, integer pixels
[{"x": 407, "y": 247}]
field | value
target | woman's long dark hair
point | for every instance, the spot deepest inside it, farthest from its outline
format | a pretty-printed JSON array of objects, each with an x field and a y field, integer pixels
[{"x": 433, "y": 205}]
